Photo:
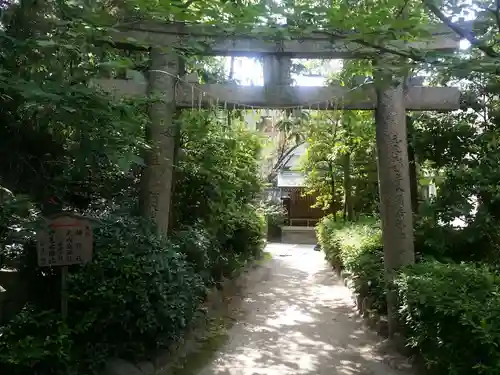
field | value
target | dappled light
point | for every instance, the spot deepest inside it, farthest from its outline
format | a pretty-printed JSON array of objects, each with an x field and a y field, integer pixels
[
  {"x": 300, "y": 321},
  {"x": 150, "y": 150}
]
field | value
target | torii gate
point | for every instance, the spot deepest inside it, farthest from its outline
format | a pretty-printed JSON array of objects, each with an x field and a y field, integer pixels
[{"x": 390, "y": 100}]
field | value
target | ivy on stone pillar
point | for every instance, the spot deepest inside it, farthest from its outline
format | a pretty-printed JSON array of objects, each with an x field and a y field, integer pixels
[
  {"x": 156, "y": 181},
  {"x": 394, "y": 177}
]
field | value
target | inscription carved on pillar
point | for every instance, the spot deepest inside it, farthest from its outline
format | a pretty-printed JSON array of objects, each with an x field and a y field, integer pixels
[{"x": 394, "y": 177}]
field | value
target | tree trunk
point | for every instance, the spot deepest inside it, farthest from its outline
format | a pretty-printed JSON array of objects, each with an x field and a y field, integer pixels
[
  {"x": 394, "y": 180},
  {"x": 333, "y": 203},
  {"x": 348, "y": 206}
]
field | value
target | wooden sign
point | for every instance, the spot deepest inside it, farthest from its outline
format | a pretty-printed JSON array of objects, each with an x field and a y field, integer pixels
[{"x": 67, "y": 240}]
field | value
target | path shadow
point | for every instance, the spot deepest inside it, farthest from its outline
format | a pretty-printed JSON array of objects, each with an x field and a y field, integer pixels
[{"x": 301, "y": 321}]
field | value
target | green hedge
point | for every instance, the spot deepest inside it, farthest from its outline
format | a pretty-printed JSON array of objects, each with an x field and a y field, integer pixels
[
  {"x": 139, "y": 292},
  {"x": 356, "y": 248},
  {"x": 451, "y": 315},
  {"x": 450, "y": 312}
]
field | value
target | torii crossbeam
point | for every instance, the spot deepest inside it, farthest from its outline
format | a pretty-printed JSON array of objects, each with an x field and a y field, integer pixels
[{"x": 187, "y": 95}]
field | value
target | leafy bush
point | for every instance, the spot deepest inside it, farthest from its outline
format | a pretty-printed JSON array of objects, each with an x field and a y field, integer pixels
[
  {"x": 201, "y": 250},
  {"x": 217, "y": 181},
  {"x": 243, "y": 232},
  {"x": 450, "y": 312},
  {"x": 229, "y": 244},
  {"x": 329, "y": 241},
  {"x": 357, "y": 249},
  {"x": 451, "y": 316},
  {"x": 16, "y": 214},
  {"x": 274, "y": 213},
  {"x": 141, "y": 291},
  {"x": 363, "y": 259},
  {"x": 138, "y": 290},
  {"x": 478, "y": 241},
  {"x": 36, "y": 343},
  {"x": 441, "y": 242},
  {"x": 217, "y": 172}
]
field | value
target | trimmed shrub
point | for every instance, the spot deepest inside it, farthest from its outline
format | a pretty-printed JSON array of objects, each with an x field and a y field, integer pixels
[
  {"x": 450, "y": 313},
  {"x": 363, "y": 259},
  {"x": 451, "y": 316},
  {"x": 357, "y": 249},
  {"x": 244, "y": 233},
  {"x": 328, "y": 240}
]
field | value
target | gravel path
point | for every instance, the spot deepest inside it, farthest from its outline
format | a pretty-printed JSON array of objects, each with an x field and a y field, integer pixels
[{"x": 301, "y": 321}]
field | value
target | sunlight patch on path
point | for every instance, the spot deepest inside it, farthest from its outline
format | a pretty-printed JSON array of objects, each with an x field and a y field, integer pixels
[{"x": 300, "y": 321}]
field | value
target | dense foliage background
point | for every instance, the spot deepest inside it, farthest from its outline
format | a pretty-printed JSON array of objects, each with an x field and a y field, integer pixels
[{"x": 67, "y": 146}]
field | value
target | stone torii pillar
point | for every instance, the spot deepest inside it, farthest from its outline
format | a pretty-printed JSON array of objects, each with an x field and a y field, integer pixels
[
  {"x": 277, "y": 70},
  {"x": 156, "y": 183},
  {"x": 394, "y": 177},
  {"x": 276, "y": 73}
]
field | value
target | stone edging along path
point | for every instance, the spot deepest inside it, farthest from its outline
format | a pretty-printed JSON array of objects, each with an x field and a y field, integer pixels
[
  {"x": 363, "y": 305},
  {"x": 217, "y": 305},
  {"x": 376, "y": 322}
]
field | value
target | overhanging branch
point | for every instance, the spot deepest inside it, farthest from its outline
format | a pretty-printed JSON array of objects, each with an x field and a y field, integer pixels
[{"x": 488, "y": 50}]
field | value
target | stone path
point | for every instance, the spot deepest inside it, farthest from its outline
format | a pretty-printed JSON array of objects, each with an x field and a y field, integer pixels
[{"x": 301, "y": 321}]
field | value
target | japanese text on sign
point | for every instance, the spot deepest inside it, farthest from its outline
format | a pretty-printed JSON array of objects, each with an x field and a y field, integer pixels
[{"x": 67, "y": 240}]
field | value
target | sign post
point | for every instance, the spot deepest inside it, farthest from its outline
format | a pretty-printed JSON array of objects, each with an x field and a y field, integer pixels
[
  {"x": 64, "y": 292},
  {"x": 66, "y": 240}
]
